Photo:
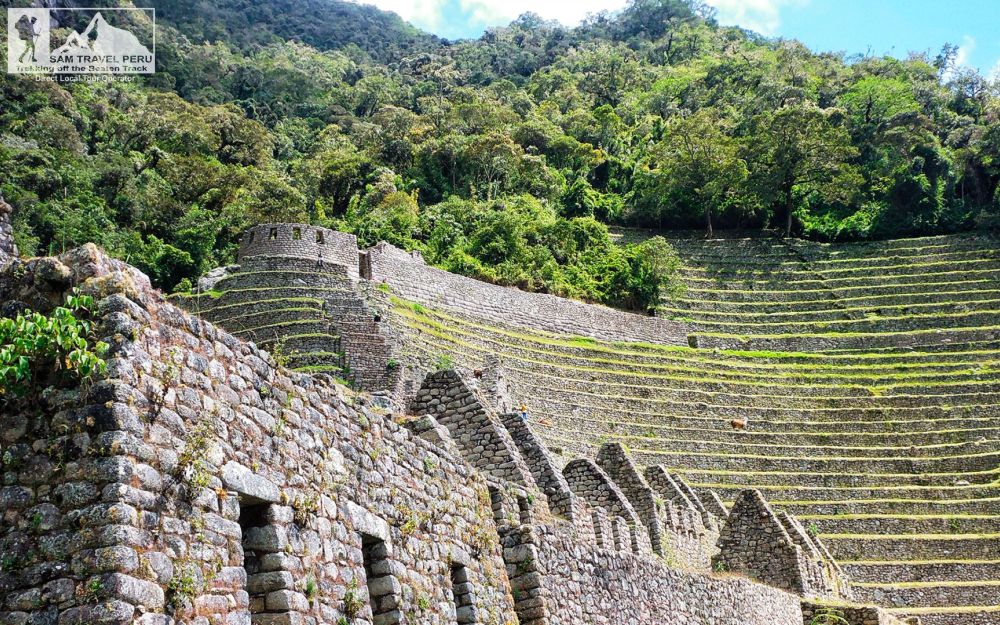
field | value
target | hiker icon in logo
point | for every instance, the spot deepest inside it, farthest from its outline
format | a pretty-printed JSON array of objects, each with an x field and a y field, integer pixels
[{"x": 28, "y": 30}]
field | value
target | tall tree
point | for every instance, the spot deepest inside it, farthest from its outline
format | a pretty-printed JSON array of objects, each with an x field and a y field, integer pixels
[
  {"x": 798, "y": 151},
  {"x": 696, "y": 168}
]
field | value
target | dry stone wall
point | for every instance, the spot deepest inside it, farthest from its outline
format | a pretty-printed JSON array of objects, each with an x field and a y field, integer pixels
[
  {"x": 598, "y": 587},
  {"x": 8, "y": 250},
  {"x": 485, "y": 442},
  {"x": 322, "y": 245},
  {"x": 408, "y": 276},
  {"x": 200, "y": 483},
  {"x": 775, "y": 550}
]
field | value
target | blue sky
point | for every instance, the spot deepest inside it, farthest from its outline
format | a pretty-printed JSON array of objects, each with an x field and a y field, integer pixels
[{"x": 854, "y": 26}]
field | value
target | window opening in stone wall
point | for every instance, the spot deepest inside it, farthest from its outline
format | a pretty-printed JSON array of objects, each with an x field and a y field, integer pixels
[
  {"x": 319, "y": 237},
  {"x": 274, "y": 234},
  {"x": 497, "y": 503},
  {"x": 253, "y": 516},
  {"x": 382, "y": 586},
  {"x": 296, "y": 234},
  {"x": 461, "y": 591},
  {"x": 251, "y": 237}
]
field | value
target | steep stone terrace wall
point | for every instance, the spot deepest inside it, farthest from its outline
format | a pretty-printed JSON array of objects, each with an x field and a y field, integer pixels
[
  {"x": 619, "y": 467},
  {"x": 409, "y": 277},
  {"x": 477, "y": 431},
  {"x": 198, "y": 462},
  {"x": 583, "y": 584},
  {"x": 853, "y": 615},
  {"x": 302, "y": 241},
  {"x": 754, "y": 542},
  {"x": 546, "y": 475},
  {"x": 594, "y": 486}
]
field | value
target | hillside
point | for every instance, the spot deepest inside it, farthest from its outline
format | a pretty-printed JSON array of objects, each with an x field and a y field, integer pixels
[
  {"x": 502, "y": 158},
  {"x": 320, "y": 24},
  {"x": 866, "y": 374}
]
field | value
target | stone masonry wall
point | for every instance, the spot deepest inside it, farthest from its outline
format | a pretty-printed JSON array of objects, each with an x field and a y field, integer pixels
[
  {"x": 198, "y": 483},
  {"x": 755, "y": 543},
  {"x": 302, "y": 241},
  {"x": 411, "y": 279},
  {"x": 852, "y": 615},
  {"x": 478, "y": 431},
  {"x": 8, "y": 250},
  {"x": 613, "y": 459},
  {"x": 599, "y": 587},
  {"x": 593, "y": 485}
]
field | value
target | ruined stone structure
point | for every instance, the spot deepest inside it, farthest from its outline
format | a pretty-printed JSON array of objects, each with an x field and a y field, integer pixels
[
  {"x": 8, "y": 250},
  {"x": 203, "y": 480}
]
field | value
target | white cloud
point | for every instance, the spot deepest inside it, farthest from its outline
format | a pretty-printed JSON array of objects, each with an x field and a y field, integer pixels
[
  {"x": 429, "y": 13},
  {"x": 965, "y": 50},
  {"x": 568, "y": 12},
  {"x": 762, "y": 16},
  {"x": 962, "y": 56}
]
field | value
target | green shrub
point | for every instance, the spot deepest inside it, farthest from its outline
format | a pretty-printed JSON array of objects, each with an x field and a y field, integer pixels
[
  {"x": 34, "y": 348},
  {"x": 444, "y": 362}
]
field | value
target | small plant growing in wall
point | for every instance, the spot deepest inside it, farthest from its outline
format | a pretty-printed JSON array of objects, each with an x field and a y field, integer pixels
[
  {"x": 813, "y": 530},
  {"x": 828, "y": 616},
  {"x": 444, "y": 362},
  {"x": 311, "y": 589},
  {"x": 392, "y": 365},
  {"x": 183, "y": 587},
  {"x": 352, "y": 600},
  {"x": 91, "y": 592},
  {"x": 60, "y": 345}
]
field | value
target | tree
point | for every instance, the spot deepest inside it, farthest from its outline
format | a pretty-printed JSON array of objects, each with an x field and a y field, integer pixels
[
  {"x": 798, "y": 151},
  {"x": 696, "y": 168}
]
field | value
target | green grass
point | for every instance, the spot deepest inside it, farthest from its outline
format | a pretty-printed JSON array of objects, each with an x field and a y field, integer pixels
[
  {"x": 645, "y": 425},
  {"x": 836, "y": 290},
  {"x": 937, "y": 584},
  {"x": 270, "y": 313},
  {"x": 910, "y": 536},
  {"x": 277, "y": 300},
  {"x": 806, "y": 313},
  {"x": 283, "y": 324},
  {"x": 910, "y": 517},
  {"x": 749, "y": 268},
  {"x": 319, "y": 369},
  {"x": 444, "y": 321},
  {"x": 972, "y": 609},
  {"x": 429, "y": 326}
]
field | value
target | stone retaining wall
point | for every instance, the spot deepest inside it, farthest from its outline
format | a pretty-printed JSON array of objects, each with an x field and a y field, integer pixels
[
  {"x": 583, "y": 584},
  {"x": 407, "y": 275},
  {"x": 302, "y": 241}
]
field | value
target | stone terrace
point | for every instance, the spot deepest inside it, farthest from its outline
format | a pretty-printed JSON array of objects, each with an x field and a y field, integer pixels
[{"x": 868, "y": 375}]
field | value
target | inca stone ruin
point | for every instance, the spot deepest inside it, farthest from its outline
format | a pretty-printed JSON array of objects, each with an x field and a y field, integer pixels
[{"x": 327, "y": 435}]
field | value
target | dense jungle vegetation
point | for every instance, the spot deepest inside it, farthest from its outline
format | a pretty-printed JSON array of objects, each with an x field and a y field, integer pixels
[{"x": 504, "y": 158}]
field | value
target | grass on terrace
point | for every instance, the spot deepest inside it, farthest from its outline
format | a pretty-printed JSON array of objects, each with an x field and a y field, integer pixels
[{"x": 453, "y": 330}]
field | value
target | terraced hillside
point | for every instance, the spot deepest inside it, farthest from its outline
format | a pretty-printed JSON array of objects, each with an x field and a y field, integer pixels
[
  {"x": 279, "y": 303},
  {"x": 869, "y": 376},
  {"x": 908, "y": 293}
]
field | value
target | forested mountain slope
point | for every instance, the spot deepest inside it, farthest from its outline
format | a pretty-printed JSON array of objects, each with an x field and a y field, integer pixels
[{"x": 503, "y": 158}]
